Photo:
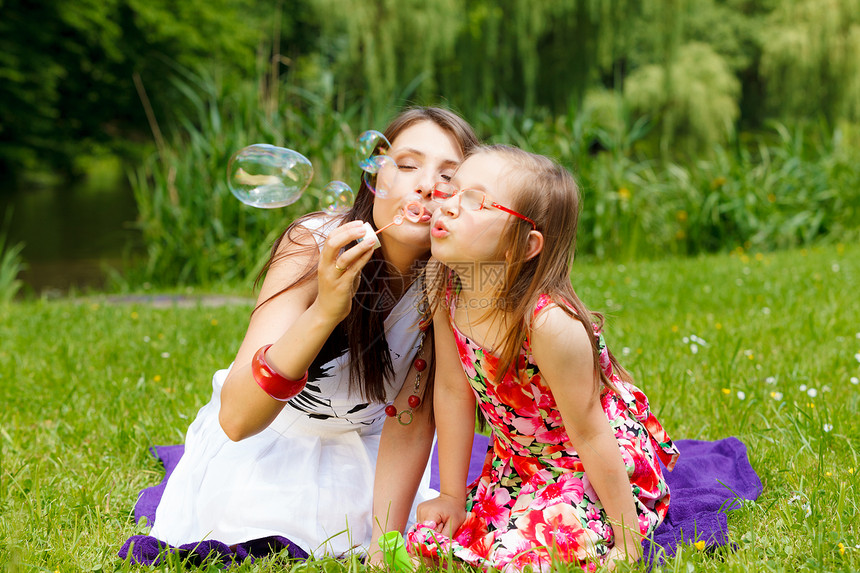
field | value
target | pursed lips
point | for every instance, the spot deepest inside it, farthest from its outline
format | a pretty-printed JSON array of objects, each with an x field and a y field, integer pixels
[{"x": 439, "y": 229}]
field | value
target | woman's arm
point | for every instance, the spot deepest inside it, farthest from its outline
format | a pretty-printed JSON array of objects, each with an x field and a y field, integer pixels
[
  {"x": 403, "y": 455},
  {"x": 454, "y": 410},
  {"x": 563, "y": 353},
  {"x": 297, "y": 323}
]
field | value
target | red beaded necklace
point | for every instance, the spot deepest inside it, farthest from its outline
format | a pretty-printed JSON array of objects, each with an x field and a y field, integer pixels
[{"x": 405, "y": 416}]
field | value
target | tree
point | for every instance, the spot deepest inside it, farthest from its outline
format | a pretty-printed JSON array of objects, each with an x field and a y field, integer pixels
[
  {"x": 66, "y": 69},
  {"x": 811, "y": 59}
]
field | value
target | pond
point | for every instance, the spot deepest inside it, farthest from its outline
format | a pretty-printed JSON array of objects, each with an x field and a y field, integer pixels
[{"x": 71, "y": 233}]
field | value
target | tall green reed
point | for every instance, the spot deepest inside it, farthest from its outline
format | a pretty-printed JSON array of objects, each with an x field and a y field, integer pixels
[
  {"x": 194, "y": 230},
  {"x": 784, "y": 188},
  {"x": 789, "y": 187},
  {"x": 11, "y": 265}
]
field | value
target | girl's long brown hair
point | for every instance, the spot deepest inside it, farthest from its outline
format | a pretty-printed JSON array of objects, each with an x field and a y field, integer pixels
[
  {"x": 363, "y": 330},
  {"x": 547, "y": 193}
]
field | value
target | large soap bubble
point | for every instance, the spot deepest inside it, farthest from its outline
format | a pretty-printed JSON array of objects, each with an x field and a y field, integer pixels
[
  {"x": 267, "y": 176},
  {"x": 336, "y": 197}
]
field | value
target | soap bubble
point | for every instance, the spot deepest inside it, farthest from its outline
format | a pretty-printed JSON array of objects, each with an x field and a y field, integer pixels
[
  {"x": 380, "y": 171},
  {"x": 371, "y": 151},
  {"x": 413, "y": 211},
  {"x": 267, "y": 176},
  {"x": 368, "y": 144},
  {"x": 337, "y": 197}
]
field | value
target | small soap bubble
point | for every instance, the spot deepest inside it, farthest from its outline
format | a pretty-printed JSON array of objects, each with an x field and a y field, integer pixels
[
  {"x": 368, "y": 144},
  {"x": 379, "y": 174},
  {"x": 267, "y": 176},
  {"x": 413, "y": 211},
  {"x": 379, "y": 170},
  {"x": 336, "y": 197}
]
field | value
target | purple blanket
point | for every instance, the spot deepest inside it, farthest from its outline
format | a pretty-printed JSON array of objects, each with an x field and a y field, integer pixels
[{"x": 709, "y": 479}]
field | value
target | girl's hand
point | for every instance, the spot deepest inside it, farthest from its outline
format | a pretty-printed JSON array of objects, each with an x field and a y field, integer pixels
[
  {"x": 445, "y": 511},
  {"x": 339, "y": 272},
  {"x": 619, "y": 554}
]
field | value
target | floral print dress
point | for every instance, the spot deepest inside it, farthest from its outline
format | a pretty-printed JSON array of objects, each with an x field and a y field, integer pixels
[{"x": 533, "y": 501}]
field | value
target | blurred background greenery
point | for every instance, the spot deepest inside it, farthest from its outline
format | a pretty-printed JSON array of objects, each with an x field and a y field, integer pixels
[{"x": 693, "y": 125}]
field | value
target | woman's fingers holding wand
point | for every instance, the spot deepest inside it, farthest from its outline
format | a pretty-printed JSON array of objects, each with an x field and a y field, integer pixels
[
  {"x": 353, "y": 258},
  {"x": 339, "y": 270}
]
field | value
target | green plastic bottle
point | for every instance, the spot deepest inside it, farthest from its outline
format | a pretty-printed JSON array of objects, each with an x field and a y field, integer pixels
[{"x": 394, "y": 552}]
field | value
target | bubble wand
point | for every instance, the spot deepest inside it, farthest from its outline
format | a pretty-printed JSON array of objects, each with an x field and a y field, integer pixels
[{"x": 413, "y": 211}]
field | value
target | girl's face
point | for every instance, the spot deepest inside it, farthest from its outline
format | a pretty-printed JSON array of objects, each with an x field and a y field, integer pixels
[
  {"x": 461, "y": 234},
  {"x": 425, "y": 154}
]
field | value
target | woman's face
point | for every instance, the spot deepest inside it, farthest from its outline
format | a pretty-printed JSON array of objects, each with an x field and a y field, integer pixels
[{"x": 425, "y": 154}]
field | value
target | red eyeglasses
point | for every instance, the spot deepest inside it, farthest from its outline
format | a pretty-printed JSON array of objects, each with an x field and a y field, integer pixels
[{"x": 474, "y": 200}]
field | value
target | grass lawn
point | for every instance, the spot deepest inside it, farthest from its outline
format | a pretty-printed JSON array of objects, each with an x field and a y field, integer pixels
[{"x": 762, "y": 347}]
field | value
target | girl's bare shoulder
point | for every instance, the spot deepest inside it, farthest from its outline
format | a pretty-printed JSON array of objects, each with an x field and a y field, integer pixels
[{"x": 554, "y": 330}]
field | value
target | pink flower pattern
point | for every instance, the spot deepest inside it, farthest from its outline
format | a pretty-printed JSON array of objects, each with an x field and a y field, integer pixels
[{"x": 533, "y": 502}]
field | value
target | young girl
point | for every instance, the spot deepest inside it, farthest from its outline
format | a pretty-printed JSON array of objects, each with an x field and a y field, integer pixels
[
  {"x": 572, "y": 472},
  {"x": 343, "y": 316}
]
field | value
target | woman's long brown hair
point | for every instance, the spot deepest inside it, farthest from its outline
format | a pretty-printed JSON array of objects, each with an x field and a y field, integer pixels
[{"x": 363, "y": 330}]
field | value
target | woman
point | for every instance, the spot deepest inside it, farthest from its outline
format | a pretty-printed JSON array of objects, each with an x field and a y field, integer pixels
[{"x": 347, "y": 316}]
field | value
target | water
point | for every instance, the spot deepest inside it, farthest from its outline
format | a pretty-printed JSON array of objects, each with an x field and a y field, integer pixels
[{"x": 71, "y": 232}]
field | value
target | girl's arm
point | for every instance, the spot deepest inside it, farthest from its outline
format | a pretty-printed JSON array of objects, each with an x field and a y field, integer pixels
[
  {"x": 454, "y": 410},
  {"x": 403, "y": 455},
  {"x": 297, "y": 323},
  {"x": 563, "y": 352}
]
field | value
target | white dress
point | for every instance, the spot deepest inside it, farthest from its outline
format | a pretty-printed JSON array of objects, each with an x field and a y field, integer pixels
[{"x": 308, "y": 476}]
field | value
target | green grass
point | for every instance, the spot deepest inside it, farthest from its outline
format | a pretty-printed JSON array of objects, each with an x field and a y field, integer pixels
[{"x": 86, "y": 386}]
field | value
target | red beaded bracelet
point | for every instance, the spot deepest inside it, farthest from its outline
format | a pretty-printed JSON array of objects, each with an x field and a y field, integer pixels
[{"x": 274, "y": 384}]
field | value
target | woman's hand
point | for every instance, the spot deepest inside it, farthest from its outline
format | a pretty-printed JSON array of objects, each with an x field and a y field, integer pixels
[
  {"x": 296, "y": 323},
  {"x": 339, "y": 272},
  {"x": 447, "y": 512}
]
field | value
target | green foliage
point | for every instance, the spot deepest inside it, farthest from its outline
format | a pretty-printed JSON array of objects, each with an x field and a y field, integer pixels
[
  {"x": 195, "y": 231},
  {"x": 697, "y": 68},
  {"x": 67, "y": 69},
  {"x": 811, "y": 59},
  {"x": 11, "y": 265},
  {"x": 777, "y": 192},
  {"x": 371, "y": 37},
  {"x": 82, "y": 407},
  {"x": 693, "y": 97}
]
